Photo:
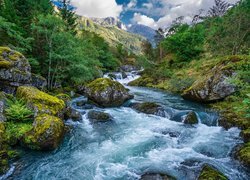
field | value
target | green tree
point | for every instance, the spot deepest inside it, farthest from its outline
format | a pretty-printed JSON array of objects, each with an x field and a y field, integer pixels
[
  {"x": 62, "y": 57},
  {"x": 186, "y": 43},
  {"x": 68, "y": 15},
  {"x": 225, "y": 37},
  {"x": 12, "y": 37}
]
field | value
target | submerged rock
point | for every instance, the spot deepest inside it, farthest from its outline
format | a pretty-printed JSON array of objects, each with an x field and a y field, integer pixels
[
  {"x": 211, "y": 173},
  {"x": 98, "y": 116},
  {"x": 107, "y": 93},
  {"x": 214, "y": 87},
  {"x": 149, "y": 108},
  {"x": 41, "y": 102},
  {"x": 156, "y": 176},
  {"x": 191, "y": 118},
  {"x": 46, "y": 134}
]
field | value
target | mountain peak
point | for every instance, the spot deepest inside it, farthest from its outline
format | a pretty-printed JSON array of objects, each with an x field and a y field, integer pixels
[{"x": 109, "y": 22}]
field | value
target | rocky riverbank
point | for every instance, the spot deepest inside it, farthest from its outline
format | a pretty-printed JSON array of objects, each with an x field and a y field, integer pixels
[{"x": 222, "y": 84}]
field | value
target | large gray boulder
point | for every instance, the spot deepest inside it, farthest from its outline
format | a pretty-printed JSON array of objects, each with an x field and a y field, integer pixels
[
  {"x": 216, "y": 86},
  {"x": 15, "y": 71},
  {"x": 107, "y": 93}
]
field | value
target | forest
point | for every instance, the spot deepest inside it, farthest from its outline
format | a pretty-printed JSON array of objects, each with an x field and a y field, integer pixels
[{"x": 77, "y": 104}]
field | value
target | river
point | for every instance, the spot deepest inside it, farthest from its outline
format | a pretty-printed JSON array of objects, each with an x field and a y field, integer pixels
[{"x": 135, "y": 143}]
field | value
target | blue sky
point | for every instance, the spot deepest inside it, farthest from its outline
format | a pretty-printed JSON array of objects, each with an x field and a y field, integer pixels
[{"x": 152, "y": 13}]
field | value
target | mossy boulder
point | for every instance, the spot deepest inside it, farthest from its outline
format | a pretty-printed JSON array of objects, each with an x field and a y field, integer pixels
[
  {"x": 209, "y": 173},
  {"x": 143, "y": 81},
  {"x": 107, "y": 93},
  {"x": 213, "y": 87},
  {"x": 243, "y": 154},
  {"x": 41, "y": 102},
  {"x": 98, "y": 116},
  {"x": 156, "y": 176},
  {"x": 245, "y": 134},
  {"x": 46, "y": 134},
  {"x": 15, "y": 70},
  {"x": 191, "y": 118},
  {"x": 149, "y": 108}
]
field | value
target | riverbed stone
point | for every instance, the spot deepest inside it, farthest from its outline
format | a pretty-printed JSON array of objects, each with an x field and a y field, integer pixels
[
  {"x": 46, "y": 134},
  {"x": 98, "y": 116},
  {"x": 107, "y": 93},
  {"x": 156, "y": 176},
  {"x": 210, "y": 173},
  {"x": 72, "y": 114},
  {"x": 191, "y": 118},
  {"x": 149, "y": 108}
]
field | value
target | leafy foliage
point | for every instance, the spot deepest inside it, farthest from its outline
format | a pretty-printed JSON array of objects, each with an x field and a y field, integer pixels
[
  {"x": 186, "y": 43},
  {"x": 18, "y": 111}
]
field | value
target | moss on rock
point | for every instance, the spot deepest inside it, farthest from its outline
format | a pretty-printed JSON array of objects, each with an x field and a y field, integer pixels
[
  {"x": 245, "y": 134},
  {"x": 39, "y": 101},
  {"x": 243, "y": 154},
  {"x": 107, "y": 93},
  {"x": 209, "y": 173},
  {"x": 191, "y": 118},
  {"x": 149, "y": 108},
  {"x": 46, "y": 134},
  {"x": 15, "y": 131}
]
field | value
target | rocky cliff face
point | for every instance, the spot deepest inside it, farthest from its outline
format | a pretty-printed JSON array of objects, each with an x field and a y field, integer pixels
[
  {"x": 15, "y": 71},
  {"x": 109, "y": 22}
]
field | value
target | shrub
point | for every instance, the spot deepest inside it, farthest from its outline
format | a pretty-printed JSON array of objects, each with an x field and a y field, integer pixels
[{"x": 17, "y": 110}]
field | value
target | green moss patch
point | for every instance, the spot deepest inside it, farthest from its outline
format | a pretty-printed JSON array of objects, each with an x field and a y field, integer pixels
[
  {"x": 243, "y": 155},
  {"x": 209, "y": 173},
  {"x": 101, "y": 84},
  {"x": 40, "y": 101},
  {"x": 15, "y": 131},
  {"x": 46, "y": 134}
]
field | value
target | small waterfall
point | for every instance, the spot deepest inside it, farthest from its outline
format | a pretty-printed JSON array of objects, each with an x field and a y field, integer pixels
[{"x": 123, "y": 77}]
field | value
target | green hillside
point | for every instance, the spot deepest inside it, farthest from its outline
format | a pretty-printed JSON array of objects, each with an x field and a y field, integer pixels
[{"x": 113, "y": 35}]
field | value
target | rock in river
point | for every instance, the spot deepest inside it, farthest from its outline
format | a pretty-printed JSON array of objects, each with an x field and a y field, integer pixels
[
  {"x": 98, "y": 116},
  {"x": 149, "y": 108},
  {"x": 156, "y": 176},
  {"x": 191, "y": 118},
  {"x": 107, "y": 93}
]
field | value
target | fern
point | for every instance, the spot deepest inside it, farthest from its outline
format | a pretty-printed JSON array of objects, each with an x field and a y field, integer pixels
[{"x": 18, "y": 111}]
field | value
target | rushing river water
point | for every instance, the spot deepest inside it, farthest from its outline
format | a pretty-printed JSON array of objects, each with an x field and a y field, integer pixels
[{"x": 135, "y": 143}]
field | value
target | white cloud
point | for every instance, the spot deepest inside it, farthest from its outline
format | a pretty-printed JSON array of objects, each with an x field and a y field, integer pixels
[
  {"x": 132, "y": 4},
  {"x": 97, "y": 8},
  {"x": 148, "y": 5},
  {"x": 168, "y": 10},
  {"x": 144, "y": 20}
]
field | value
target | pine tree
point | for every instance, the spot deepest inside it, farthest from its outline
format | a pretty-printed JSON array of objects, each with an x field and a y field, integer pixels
[{"x": 68, "y": 15}]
